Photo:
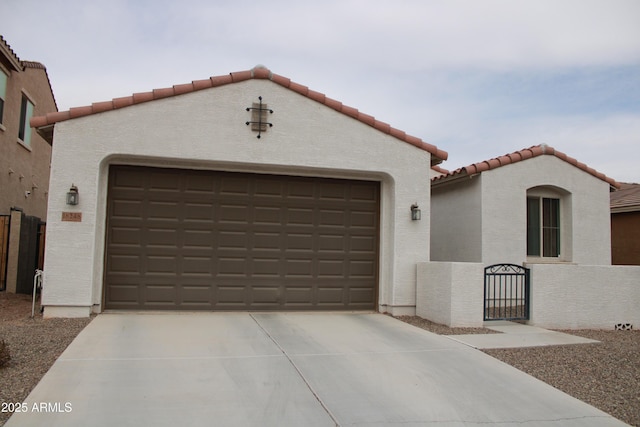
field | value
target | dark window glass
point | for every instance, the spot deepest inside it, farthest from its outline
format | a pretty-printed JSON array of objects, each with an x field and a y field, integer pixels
[
  {"x": 551, "y": 227},
  {"x": 533, "y": 226},
  {"x": 543, "y": 227},
  {"x": 23, "y": 115}
]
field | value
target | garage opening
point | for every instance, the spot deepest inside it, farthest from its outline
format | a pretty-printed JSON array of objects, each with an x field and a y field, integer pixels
[{"x": 208, "y": 240}]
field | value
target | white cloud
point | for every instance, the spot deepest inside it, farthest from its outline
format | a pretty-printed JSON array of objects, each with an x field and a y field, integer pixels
[
  {"x": 608, "y": 144},
  {"x": 476, "y": 78}
]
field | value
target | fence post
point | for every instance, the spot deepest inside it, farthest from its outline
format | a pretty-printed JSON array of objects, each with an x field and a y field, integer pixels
[{"x": 14, "y": 250}]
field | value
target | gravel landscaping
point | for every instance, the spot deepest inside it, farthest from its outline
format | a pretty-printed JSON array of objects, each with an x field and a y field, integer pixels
[
  {"x": 605, "y": 375},
  {"x": 34, "y": 344}
]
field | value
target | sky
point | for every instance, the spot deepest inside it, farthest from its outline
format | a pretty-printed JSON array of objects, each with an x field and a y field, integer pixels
[{"x": 476, "y": 78}]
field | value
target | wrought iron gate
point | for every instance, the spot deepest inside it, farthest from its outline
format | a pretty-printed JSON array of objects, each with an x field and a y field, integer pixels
[{"x": 506, "y": 292}]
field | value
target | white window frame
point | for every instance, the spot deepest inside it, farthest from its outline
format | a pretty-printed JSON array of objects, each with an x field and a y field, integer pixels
[{"x": 564, "y": 224}]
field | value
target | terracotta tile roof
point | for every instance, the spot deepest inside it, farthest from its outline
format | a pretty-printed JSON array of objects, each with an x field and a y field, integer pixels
[
  {"x": 440, "y": 170},
  {"x": 11, "y": 56},
  {"x": 626, "y": 199},
  {"x": 259, "y": 72},
  {"x": 527, "y": 153}
]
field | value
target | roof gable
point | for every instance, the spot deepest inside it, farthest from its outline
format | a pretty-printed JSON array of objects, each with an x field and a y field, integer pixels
[
  {"x": 518, "y": 156},
  {"x": 45, "y": 123}
]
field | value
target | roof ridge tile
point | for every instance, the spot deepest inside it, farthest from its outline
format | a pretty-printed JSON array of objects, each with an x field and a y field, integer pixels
[
  {"x": 162, "y": 93},
  {"x": 258, "y": 72},
  {"x": 183, "y": 88},
  {"x": 524, "y": 154}
]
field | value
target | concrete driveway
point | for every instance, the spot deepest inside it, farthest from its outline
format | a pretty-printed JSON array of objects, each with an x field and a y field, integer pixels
[{"x": 286, "y": 369}]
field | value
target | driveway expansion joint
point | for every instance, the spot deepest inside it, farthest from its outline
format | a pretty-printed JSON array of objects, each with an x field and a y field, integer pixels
[{"x": 306, "y": 381}]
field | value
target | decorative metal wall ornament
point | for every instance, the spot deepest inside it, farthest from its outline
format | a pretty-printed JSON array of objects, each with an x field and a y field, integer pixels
[{"x": 259, "y": 121}]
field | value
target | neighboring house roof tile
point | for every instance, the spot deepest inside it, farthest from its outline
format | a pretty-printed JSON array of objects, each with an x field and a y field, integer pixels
[
  {"x": 518, "y": 156},
  {"x": 18, "y": 65},
  {"x": 258, "y": 72},
  {"x": 626, "y": 199},
  {"x": 11, "y": 56}
]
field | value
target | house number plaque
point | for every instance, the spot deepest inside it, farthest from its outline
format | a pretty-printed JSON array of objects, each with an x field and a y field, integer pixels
[{"x": 72, "y": 216}]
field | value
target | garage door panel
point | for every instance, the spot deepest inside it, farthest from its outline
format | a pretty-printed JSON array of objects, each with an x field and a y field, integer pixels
[
  {"x": 232, "y": 267},
  {"x": 121, "y": 263},
  {"x": 233, "y": 213},
  {"x": 297, "y": 268},
  {"x": 363, "y": 244},
  {"x": 364, "y": 193},
  {"x": 231, "y": 185},
  {"x": 200, "y": 240},
  {"x": 332, "y": 218},
  {"x": 331, "y": 268},
  {"x": 267, "y": 241},
  {"x": 266, "y": 268},
  {"x": 269, "y": 188},
  {"x": 199, "y": 185},
  {"x": 161, "y": 237},
  {"x": 124, "y": 293},
  {"x": 127, "y": 209},
  {"x": 305, "y": 190},
  {"x": 360, "y": 219},
  {"x": 160, "y": 294},
  {"x": 198, "y": 211},
  {"x": 160, "y": 181},
  {"x": 229, "y": 239},
  {"x": 161, "y": 264},
  {"x": 131, "y": 236},
  {"x": 230, "y": 296},
  {"x": 362, "y": 269},
  {"x": 267, "y": 215},
  {"x": 194, "y": 295},
  {"x": 332, "y": 243},
  {"x": 333, "y": 191},
  {"x": 196, "y": 266},
  {"x": 197, "y": 239}
]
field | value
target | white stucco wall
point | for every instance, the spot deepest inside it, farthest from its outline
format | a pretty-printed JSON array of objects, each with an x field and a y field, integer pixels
[
  {"x": 585, "y": 223},
  {"x": 456, "y": 222},
  {"x": 206, "y": 130},
  {"x": 562, "y": 296},
  {"x": 451, "y": 293},
  {"x": 584, "y": 296},
  {"x": 485, "y": 218}
]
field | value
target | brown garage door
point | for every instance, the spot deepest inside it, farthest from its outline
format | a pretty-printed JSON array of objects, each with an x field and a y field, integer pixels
[{"x": 202, "y": 240}]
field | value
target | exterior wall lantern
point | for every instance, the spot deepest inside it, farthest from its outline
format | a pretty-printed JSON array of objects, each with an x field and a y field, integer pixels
[
  {"x": 72, "y": 196},
  {"x": 416, "y": 214}
]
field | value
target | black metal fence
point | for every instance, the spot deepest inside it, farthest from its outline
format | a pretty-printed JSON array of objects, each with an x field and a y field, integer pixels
[{"x": 506, "y": 292}]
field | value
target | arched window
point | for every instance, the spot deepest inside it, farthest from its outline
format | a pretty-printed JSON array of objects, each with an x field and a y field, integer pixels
[{"x": 547, "y": 208}]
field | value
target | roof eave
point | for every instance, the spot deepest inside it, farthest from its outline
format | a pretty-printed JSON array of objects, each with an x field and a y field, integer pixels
[
  {"x": 46, "y": 132},
  {"x": 259, "y": 72},
  {"x": 624, "y": 209}
]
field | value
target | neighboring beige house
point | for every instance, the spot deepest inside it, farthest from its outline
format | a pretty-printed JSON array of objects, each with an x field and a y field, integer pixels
[
  {"x": 625, "y": 225},
  {"x": 25, "y": 157},
  {"x": 182, "y": 206}
]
